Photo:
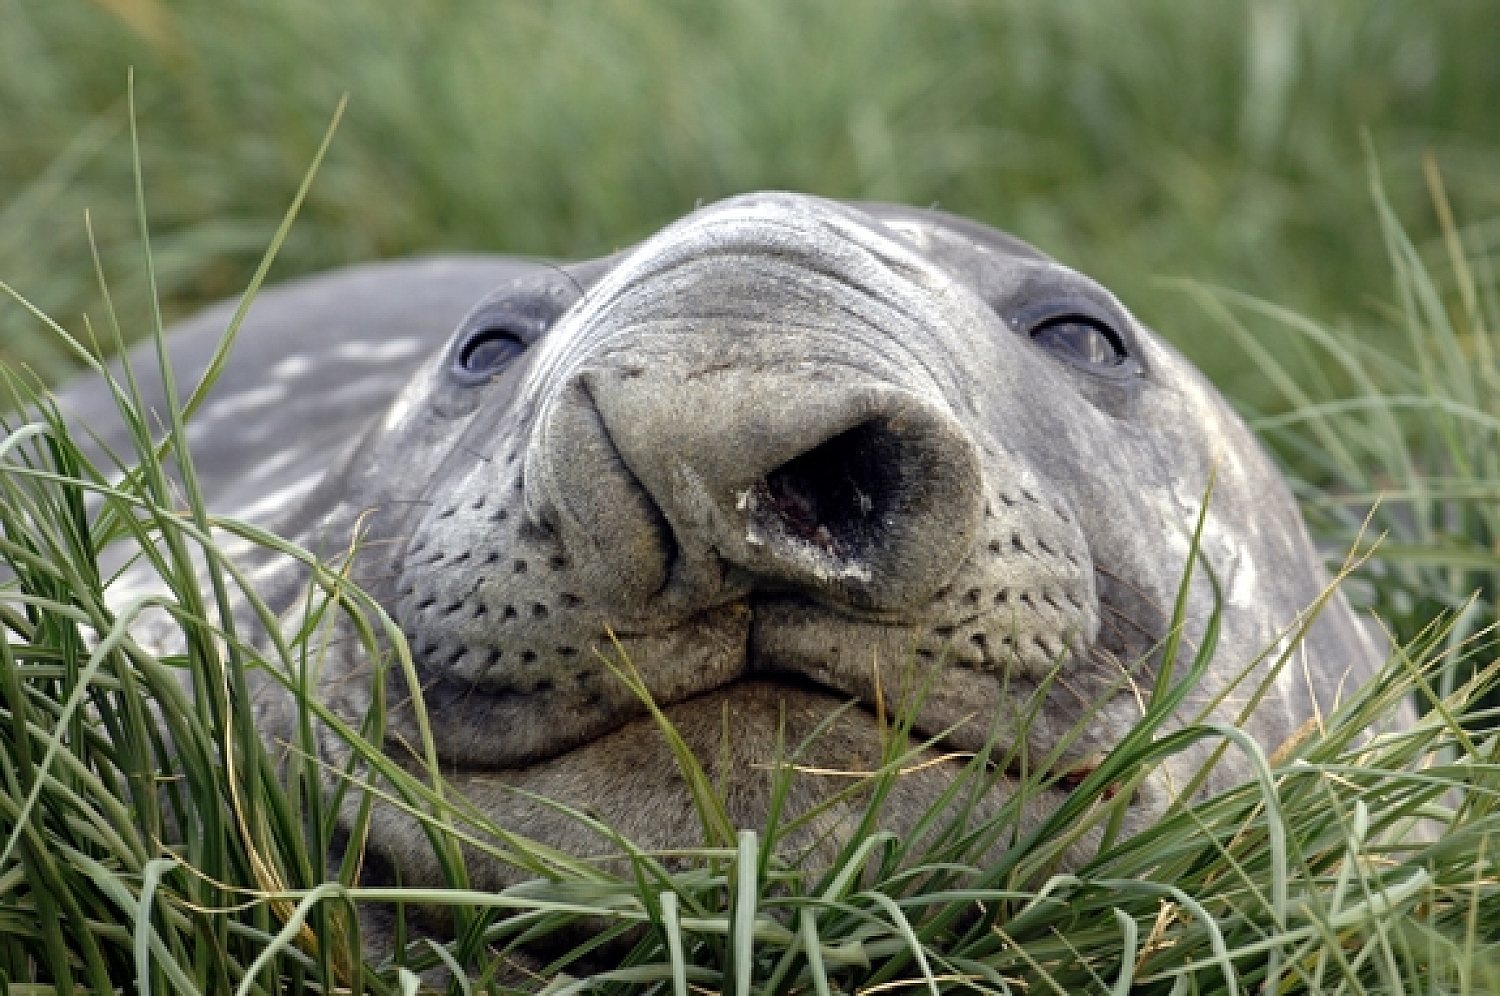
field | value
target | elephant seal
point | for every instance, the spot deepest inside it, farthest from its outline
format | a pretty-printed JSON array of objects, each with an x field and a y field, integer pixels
[{"x": 780, "y": 449}]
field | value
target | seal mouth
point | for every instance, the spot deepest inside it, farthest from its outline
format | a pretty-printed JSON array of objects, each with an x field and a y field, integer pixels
[
  {"x": 773, "y": 637},
  {"x": 511, "y": 645}
]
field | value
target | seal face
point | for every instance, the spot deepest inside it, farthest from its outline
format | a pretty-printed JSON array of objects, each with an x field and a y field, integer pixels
[
  {"x": 778, "y": 447},
  {"x": 760, "y": 445}
]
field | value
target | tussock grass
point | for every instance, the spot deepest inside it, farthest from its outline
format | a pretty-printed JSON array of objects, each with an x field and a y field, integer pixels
[
  {"x": 150, "y": 836},
  {"x": 1394, "y": 449},
  {"x": 151, "y": 840}
]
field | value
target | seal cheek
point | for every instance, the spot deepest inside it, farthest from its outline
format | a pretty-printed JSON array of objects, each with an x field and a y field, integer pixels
[
  {"x": 507, "y": 625},
  {"x": 603, "y": 516},
  {"x": 528, "y": 708}
]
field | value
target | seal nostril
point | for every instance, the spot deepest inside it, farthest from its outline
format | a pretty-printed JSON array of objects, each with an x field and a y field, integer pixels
[{"x": 837, "y": 495}]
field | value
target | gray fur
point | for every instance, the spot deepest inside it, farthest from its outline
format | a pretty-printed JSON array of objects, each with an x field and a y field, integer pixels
[{"x": 632, "y": 470}]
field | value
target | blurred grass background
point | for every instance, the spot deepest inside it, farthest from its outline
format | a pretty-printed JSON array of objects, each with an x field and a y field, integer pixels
[{"x": 1219, "y": 140}]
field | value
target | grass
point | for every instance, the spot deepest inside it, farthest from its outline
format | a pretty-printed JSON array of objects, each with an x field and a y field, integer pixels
[
  {"x": 151, "y": 839},
  {"x": 1132, "y": 138},
  {"x": 1399, "y": 437}
]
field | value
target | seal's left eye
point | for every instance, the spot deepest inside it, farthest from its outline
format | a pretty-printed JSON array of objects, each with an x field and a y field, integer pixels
[
  {"x": 489, "y": 350},
  {"x": 1081, "y": 339}
]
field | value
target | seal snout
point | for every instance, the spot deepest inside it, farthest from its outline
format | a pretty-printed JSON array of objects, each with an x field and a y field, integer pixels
[{"x": 860, "y": 495}]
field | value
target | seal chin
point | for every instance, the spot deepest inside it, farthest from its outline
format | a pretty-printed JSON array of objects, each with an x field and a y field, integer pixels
[{"x": 960, "y": 685}]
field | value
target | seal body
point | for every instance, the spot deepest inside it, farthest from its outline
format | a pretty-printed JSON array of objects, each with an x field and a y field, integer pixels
[{"x": 787, "y": 454}]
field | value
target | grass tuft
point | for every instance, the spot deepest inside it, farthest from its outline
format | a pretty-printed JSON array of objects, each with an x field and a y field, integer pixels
[{"x": 1393, "y": 453}]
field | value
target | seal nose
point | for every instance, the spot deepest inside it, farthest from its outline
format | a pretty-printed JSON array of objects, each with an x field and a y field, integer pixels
[
  {"x": 853, "y": 492},
  {"x": 860, "y": 515},
  {"x": 836, "y": 496}
]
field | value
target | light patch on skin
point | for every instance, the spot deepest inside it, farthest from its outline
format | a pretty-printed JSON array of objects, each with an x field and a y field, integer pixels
[
  {"x": 380, "y": 352},
  {"x": 357, "y": 395},
  {"x": 1244, "y": 588},
  {"x": 397, "y": 413},
  {"x": 915, "y": 234},
  {"x": 244, "y": 401},
  {"x": 275, "y": 464},
  {"x": 155, "y": 628},
  {"x": 292, "y": 367},
  {"x": 280, "y": 499}
]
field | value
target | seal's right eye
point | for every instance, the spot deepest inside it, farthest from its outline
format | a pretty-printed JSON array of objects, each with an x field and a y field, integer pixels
[
  {"x": 1082, "y": 339},
  {"x": 1082, "y": 334},
  {"x": 488, "y": 350}
]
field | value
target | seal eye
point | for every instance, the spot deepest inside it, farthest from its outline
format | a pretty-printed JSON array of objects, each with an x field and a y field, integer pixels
[
  {"x": 489, "y": 350},
  {"x": 1082, "y": 340}
]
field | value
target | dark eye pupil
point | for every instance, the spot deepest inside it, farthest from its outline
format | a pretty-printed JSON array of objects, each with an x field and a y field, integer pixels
[
  {"x": 490, "y": 350},
  {"x": 1080, "y": 338}
]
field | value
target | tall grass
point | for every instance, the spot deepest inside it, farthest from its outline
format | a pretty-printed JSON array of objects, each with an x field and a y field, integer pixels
[
  {"x": 1400, "y": 437},
  {"x": 151, "y": 840},
  {"x": 1131, "y": 138}
]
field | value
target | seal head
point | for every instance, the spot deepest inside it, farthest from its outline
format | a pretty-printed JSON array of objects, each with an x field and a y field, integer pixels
[{"x": 791, "y": 453}]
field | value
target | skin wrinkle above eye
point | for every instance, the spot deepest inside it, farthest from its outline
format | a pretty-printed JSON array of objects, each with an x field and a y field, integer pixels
[
  {"x": 889, "y": 338},
  {"x": 654, "y": 264}
]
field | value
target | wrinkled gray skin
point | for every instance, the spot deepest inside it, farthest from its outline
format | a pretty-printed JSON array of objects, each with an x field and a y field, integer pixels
[{"x": 779, "y": 446}]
